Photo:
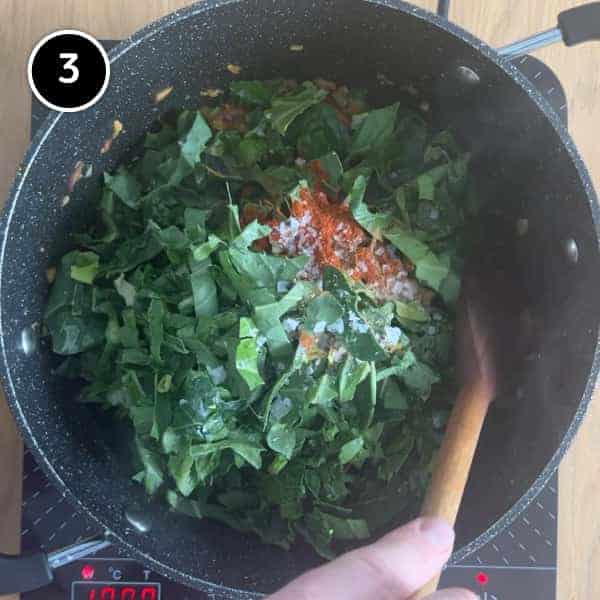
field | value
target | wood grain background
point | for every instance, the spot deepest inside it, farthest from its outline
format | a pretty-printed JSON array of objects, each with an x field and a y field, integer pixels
[{"x": 23, "y": 22}]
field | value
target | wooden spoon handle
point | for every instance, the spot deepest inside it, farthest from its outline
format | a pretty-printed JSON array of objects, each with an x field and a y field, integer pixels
[{"x": 453, "y": 463}]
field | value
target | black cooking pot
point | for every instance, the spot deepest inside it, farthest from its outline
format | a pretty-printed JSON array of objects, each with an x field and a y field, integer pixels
[{"x": 540, "y": 257}]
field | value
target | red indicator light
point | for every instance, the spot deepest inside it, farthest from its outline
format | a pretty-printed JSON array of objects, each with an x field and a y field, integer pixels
[
  {"x": 87, "y": 572},
  {"x": 482, "y": 578}
]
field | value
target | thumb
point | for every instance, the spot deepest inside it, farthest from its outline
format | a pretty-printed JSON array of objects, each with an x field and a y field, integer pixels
[{"x": 393, "y": 568}]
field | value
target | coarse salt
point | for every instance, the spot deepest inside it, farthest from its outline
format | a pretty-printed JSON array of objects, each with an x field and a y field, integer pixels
[
  {"x": 336, "y": 354},
  {"x": 403, "y": 288},
  {"x": 336, "y": 327},
  {"x": 392, "y": 335},
  {"x": 290, "y": 324},
  {"x": 283, "y": 286},
  {"x": 319, "y": 327},
  {"x": 357, "y": 324},
  {"x": 280, "y": 407},
  {"x": 217, "y": 375}
]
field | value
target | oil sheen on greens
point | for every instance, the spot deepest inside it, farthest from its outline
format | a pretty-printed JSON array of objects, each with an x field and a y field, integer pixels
[{"x": 174, "y": 319}]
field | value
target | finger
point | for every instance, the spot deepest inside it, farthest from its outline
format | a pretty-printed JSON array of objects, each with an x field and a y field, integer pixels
[
  {"x": 453, "y": 594},
  {"x": 392, "y": 568}
]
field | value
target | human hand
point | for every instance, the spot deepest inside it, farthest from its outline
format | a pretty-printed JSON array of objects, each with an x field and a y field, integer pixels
[{"x": 393, "y": 568}]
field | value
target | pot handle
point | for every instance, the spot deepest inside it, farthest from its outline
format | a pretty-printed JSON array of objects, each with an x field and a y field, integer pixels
[
  {"x": 443, "y": 8},
  {"x": 575, "y": 26},
  {"x": 24, "y": 573},
  {"x": 33, "y": 571}
]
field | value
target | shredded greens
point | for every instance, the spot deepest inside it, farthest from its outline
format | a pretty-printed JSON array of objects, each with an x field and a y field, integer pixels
[{"x": 278, "y": 393}]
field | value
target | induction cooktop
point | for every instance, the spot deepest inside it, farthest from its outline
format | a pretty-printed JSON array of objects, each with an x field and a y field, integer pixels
[{"x": 518, "y": 563}]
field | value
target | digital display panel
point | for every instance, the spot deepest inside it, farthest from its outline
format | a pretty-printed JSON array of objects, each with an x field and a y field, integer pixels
[{"x": 95, "y": 590}]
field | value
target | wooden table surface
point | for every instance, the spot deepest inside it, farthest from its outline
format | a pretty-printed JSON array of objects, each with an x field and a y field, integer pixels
[{"x": 23, "y": 22}]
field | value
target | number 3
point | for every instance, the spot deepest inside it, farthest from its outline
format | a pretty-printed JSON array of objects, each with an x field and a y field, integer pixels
[{"x": 70, "y": 57}]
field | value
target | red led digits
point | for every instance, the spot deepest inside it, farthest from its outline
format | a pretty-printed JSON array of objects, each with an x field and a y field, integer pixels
[
  {"x": 482, "y": 578},
  {"x": 148, "y": 593},
  {"x": 108, "y": 593},
  {"x": 128, "y": 593},
  {"x": 122, "y": 591}
]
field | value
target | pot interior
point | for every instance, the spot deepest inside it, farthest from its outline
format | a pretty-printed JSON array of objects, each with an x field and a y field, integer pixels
[{"x": 545, "y": 305}]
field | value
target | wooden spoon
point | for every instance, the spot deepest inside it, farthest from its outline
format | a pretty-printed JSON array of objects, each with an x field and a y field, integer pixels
[{"x": 477, "y": 377}]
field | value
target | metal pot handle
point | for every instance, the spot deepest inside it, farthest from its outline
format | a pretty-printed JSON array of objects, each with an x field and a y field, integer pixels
[
  {"x": 575, "y": 26},
  {"x": 32, "y": 571},
  {"x": 443, "y": 8}
]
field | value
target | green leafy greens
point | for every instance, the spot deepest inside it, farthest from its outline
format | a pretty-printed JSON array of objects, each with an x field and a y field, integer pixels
[{"x": 278, "y": 403}]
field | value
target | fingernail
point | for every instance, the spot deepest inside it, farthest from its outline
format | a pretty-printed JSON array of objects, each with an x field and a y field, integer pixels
[
  {"x": 453, "y": 594},
  {"x": 437, "y": 532}
]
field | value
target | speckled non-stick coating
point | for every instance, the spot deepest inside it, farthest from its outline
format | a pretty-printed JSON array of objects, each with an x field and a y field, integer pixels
[{"x": 529, "y": 168}]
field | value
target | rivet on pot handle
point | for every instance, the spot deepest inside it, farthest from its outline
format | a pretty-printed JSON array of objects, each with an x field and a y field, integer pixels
[{"x": 575, "y": 26}]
